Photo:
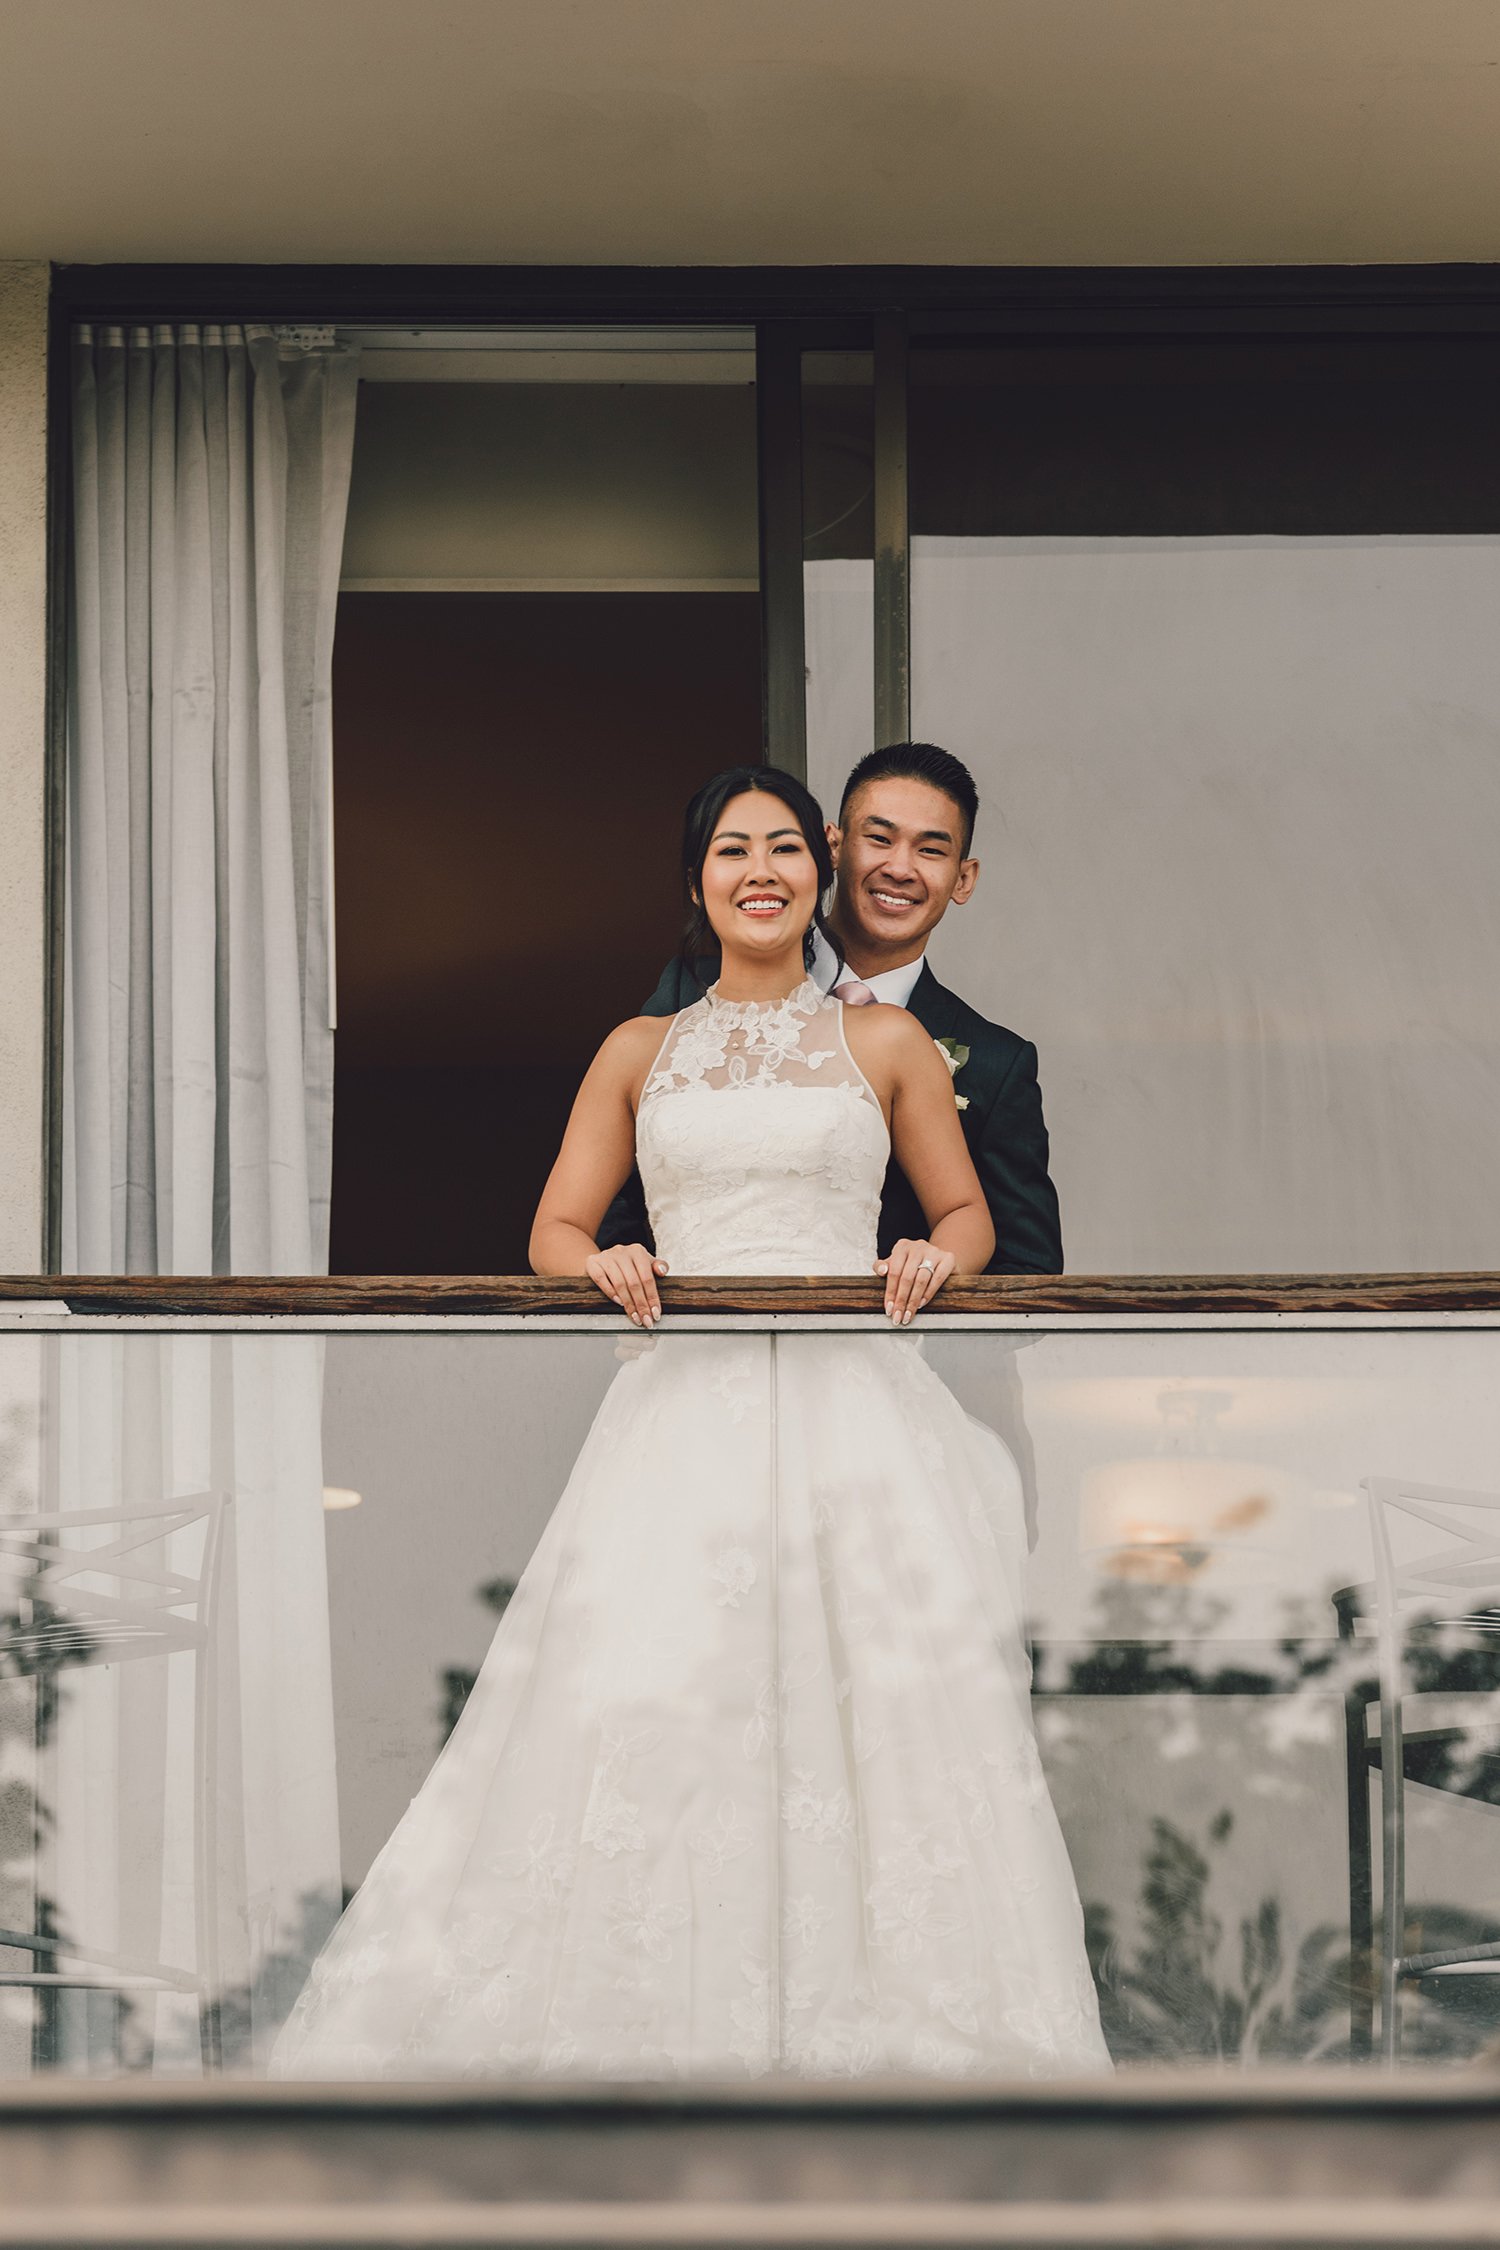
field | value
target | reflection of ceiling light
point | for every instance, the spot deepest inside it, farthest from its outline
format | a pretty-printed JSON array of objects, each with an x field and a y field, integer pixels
[
  {"x": 1171, "y": 1516},
  {"x": 337, "y": 1496},
  {"x": 1163, "y": 1517}
]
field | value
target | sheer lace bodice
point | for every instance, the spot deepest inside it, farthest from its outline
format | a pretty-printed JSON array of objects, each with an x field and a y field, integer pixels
[{"x": 761, "y": 1146}]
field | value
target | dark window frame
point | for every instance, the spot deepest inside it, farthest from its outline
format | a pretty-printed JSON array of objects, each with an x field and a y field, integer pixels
[{"x": 883, "y": 309}]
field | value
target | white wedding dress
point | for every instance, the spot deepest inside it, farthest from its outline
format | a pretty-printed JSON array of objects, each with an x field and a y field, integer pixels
[{"x": 748, "y": 1781}]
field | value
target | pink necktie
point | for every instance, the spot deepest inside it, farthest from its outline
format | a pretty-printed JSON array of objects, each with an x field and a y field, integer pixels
[{"x": 854, "y": 994}]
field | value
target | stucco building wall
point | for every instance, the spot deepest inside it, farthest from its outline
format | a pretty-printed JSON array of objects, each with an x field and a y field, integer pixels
[{"x": 23, "y": 671}]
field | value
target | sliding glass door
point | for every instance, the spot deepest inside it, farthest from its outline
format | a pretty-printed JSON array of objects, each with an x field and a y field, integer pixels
[{"x": 1212, "y": 623}]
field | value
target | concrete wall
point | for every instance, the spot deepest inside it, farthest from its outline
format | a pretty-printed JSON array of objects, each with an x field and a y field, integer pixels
[{"x": 23, "y": 668}]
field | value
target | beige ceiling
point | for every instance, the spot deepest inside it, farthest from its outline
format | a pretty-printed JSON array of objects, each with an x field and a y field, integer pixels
[{"x": 748, "y": 131}]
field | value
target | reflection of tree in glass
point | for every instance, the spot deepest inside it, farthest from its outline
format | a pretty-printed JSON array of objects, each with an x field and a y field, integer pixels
[
  {"x": 280, "y": 1974},
  {"x": 458, "y": 1680},
  {"x": 1186, "y": 1988},
  {"x": 1152, "y": 1639},
  {"x": 1182, "y": 1995},
  {"x": 172, "y": 2047},
  {"x": 37, "y": 1644},
  {"x": 1457, "y": 1655},
  {"x": 1185, "y": 1994},
  {"x": 1189, "y": 1988}
]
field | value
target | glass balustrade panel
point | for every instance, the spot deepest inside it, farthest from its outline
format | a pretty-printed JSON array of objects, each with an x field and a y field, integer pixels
[{"x": 250, "y": 1582}]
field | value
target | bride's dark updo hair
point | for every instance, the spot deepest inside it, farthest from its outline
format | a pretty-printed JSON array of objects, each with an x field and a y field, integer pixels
[{"x": 705, "y": 810}]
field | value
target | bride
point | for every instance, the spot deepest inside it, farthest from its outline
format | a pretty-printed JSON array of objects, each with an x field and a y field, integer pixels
[{"x": 748, "y": 1781}]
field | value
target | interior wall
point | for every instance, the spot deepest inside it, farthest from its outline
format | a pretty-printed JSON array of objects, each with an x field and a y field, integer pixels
[
  {"x": 538, "y": 484},
  {"x": 510, "y": 772},
  {"x": 23, "y": 747},
  {"x": 1239, "y": 807}
]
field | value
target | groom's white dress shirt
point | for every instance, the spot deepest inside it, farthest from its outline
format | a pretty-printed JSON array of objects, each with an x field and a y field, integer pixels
[{"x": 894, "y": 986}]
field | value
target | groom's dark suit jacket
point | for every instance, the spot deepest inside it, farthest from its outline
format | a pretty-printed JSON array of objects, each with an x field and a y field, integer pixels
[{"x": 1003, "y": 1126}]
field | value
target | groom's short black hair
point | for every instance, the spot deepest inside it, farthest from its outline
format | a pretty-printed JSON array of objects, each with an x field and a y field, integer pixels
[{"x": 918, "y": 761}]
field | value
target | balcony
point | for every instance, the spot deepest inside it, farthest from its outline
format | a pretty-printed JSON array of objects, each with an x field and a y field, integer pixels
[{"x": 1264, "y": 1614}]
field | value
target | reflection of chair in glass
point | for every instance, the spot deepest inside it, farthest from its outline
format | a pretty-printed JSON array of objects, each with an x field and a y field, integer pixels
[
  {"x": 89, "y": 1598},
  {"x": 1439, "y": 1586}
]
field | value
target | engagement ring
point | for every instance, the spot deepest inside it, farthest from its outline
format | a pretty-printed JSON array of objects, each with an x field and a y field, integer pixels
[{"x": 927, "y": 1266}]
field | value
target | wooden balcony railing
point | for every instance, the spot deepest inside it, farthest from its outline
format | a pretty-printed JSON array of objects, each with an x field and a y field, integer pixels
[{"x": 471, "y": 1295}]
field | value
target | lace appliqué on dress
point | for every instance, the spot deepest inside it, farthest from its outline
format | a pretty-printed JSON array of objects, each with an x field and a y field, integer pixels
[{"x": 761, "y": 1183}]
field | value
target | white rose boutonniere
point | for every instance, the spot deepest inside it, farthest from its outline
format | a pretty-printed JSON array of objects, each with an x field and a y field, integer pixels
[{"x": 955, "y": 1054}]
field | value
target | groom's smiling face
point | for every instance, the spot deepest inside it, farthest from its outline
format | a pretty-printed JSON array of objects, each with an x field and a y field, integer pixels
[{"x": 901, "y": 864}]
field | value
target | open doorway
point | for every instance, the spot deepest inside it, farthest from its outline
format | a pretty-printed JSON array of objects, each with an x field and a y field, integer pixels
[
  {"x": 548, "y": 636},
  {"x": 510, "y": 773}
]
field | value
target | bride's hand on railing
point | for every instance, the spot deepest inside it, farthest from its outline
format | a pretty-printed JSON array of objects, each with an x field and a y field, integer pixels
[
  {"x": 628, "y": 1275},
  {"x": 914, "y": 1273}
]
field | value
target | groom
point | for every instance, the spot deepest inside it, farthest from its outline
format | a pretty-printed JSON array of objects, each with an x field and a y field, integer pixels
[{"x": 902, "y": 846}]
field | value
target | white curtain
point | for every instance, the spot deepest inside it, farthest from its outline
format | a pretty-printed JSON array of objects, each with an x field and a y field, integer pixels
[
  {"x": 210, "y": 473},
  {"x": 211, "y": 470}
]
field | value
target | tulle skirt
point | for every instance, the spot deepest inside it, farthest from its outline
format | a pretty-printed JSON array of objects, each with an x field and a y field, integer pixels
[{"x": 748, "y": 1782}]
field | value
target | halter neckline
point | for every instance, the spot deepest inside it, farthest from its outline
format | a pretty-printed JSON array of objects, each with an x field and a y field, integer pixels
[{"x": 803, "y": 1000}]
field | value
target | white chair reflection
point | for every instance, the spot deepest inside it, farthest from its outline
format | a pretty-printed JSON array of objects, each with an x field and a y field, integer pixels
[
  {"x": 95, "y": 1587},
  {"x": 1456, "y": 1759}
]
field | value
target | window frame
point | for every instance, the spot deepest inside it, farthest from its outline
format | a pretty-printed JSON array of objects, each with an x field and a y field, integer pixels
[{"x": 879, "y": 309}]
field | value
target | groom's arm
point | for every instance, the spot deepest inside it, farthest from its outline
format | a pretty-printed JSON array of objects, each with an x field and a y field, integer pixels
[{"x": 1010, "y": 1155}]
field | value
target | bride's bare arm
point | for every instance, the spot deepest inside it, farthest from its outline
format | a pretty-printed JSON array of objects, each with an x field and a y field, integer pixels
[
  {"x": 905, "y": 1069},
  {"x": 598, "y": 1150}
]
